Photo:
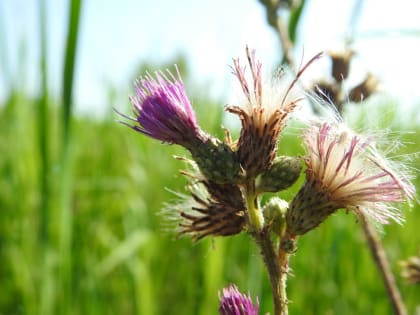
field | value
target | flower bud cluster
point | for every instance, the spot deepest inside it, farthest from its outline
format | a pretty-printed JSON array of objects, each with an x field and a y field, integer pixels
[{"x": 344, "y": 170}]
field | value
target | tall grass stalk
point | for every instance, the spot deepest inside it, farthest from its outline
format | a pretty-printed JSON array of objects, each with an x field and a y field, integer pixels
[
  {"x": 66, "y": 220},
  {"x": 43, "y": 131},
  {"x": 47, "y": 279}
]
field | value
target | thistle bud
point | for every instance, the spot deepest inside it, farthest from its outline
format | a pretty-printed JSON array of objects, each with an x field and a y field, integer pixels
[
  {"x": 275, "y": 214},
  {"x": 282, "y": 174},
  {"x": 217, "y": 161}
]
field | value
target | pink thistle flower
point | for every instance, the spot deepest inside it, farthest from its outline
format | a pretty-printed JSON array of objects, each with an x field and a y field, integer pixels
[
  {"x": 163, "y": 111},
  {"x": 264, "y": 115},
  {"x": 345, "y": 170},
  {"x": 233, "y": 302}
]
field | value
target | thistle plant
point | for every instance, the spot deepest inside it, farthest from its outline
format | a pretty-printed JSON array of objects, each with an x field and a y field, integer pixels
[{"x": 226, "y": 179}]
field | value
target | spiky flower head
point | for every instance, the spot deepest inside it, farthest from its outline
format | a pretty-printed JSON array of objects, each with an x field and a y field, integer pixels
[
  {"x": 216, "y": 210},
  {"x": 233, "y": 302},
  {"x": 163, "y": 111},
  {"x": 264, "y": 114},
  {"x": 345, "y": 170}
]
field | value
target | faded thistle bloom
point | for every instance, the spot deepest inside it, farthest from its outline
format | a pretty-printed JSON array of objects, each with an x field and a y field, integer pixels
[
  {"x": 233, "y": 302},
  {"x": 345, "y": 170},
  {"x": 263, "y": 116},
  {"x": 163, "y": 111},
  {"x": 216, "y": 210}
]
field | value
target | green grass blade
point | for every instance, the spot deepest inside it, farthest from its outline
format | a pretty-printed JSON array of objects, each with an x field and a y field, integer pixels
[
  {"x": 69, "y": 64},
  {"x": 66, "y": 188},
  {"x": 43, "y": 132}
]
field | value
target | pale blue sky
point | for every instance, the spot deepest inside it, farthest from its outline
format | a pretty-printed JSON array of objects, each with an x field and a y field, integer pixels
[{"x": 117, "y": 35}]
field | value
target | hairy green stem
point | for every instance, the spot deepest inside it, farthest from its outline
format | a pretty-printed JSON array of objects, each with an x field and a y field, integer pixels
[
  {"x": 261, "y": 235},
  {"x": 286, "y": 246},
  {"x": 271, "y": 262},
  {"x": 255, "y": 217}
]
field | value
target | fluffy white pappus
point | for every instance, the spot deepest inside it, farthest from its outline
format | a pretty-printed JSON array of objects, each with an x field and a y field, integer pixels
[
  {"x": 356, "y": 173},
  {"x": 269, "y": 94}
]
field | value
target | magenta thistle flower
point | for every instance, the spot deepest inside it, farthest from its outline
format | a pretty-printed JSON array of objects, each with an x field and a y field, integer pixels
[
  {"x": 345, "y": 170},
  {"x": 163, "y": 111},
  {"x": 232, "y": 302}
]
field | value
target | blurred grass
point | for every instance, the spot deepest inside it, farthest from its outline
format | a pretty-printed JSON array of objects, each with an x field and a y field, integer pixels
[
  {"x": 122, "y": 259},
  {"x": 80, "y": 231}
]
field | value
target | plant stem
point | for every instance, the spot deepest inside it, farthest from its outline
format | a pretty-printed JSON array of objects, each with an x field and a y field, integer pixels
[
  {"x": 256, "y": 219},
  {"x": 283, "y": 258},
  {"x": 379, "y": 256},
  {"x": 262, "y": 237}
]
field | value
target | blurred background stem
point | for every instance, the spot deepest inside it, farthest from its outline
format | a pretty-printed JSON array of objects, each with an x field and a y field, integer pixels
[
  {"x": 381, "y": 261},
  {"x": 47, "y": 279},
  {"x": 66, "y": 218},
  {"x": 43, "y": 130}
]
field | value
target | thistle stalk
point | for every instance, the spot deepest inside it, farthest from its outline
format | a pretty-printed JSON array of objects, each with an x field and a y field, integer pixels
[
  {"x": 261, "y": 235},
  {"x": 286, "y": 247}
]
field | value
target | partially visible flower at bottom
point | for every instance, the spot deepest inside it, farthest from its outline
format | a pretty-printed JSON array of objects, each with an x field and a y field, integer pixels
[
  {"x": 345, "y": 170},
  {"x": 233, "y": 302}
]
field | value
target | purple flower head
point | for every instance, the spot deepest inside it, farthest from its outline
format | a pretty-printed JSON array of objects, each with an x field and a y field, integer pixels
[
  {"x": 163, "y": 111},
  {"x": 232, "y": 302}
]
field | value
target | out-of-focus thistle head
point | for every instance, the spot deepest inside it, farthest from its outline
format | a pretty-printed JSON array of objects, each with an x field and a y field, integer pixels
[
  {"x": 233, "y": 302},
  {"x": 264, "y": 114},
  {"x": 363, "y": 90},
  {"x": 345, "y": 170},
  {"x": 341, "y": 63},
  {"x": 163, "y": 111},
  {"x": 411, "y": 269},
  {"x": 215, "y": 210}
]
